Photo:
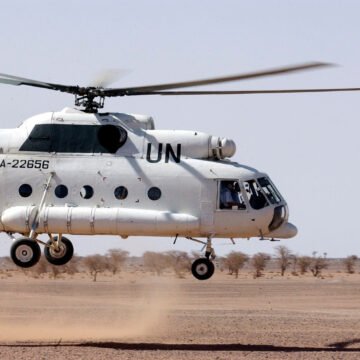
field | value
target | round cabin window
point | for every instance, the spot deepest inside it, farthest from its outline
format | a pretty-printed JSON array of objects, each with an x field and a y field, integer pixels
[
  {"x": 86, "y": 192},
  {"x": 154, "y": 193},
  {"x": 121, "y": 192},
  {"x": 61, "y": 191},
  {"x": 25, "y": 190}
]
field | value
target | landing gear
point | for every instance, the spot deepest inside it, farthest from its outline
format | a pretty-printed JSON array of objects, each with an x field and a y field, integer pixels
[
  {"x": 58, "y": 250},
  {"x": 204, "y": 268},
  {"x": 25, "y": 252}
]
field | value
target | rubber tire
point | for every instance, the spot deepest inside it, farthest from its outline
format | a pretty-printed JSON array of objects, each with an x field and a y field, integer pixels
[
  {"x": 25, "y": 242},
  {"x": 65, "y": 258},
  {"x": 205, "y": 265}
]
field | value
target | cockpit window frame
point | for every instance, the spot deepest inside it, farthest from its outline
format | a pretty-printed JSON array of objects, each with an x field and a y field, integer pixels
[
  {"x": 241, "y": 192},
  {"x": 276, "y": 197},
  {"x": 258, "y": 190}
]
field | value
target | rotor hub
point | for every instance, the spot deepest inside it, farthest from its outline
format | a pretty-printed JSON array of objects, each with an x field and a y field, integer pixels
[{"x": 91, "y": 99}]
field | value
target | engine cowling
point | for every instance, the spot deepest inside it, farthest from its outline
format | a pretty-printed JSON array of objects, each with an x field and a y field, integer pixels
[{"x": 195, "y": 145}]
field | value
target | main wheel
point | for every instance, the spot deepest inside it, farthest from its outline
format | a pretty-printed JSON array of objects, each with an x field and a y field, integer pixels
[
  {"x": 59, "y": 256},
  {"x": 203, "y": 269},
  {"x": 25, "y": 252}
]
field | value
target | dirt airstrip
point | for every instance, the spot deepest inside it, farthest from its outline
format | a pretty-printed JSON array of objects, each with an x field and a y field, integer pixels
[{"x": 141, "y": 316}]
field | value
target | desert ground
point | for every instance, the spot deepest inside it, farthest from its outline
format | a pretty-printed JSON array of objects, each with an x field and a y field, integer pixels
[{"x": 138, "y": 315}]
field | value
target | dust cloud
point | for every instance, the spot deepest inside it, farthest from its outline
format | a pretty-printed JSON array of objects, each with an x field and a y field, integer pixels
[{"x": 92, "y": 312}]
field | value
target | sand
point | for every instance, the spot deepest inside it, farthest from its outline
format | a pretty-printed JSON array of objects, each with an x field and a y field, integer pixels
[{"x": 141, "y": 316}]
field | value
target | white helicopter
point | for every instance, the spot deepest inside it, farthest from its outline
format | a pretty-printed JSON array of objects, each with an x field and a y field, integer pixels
[{"x": 89, "y": 173}]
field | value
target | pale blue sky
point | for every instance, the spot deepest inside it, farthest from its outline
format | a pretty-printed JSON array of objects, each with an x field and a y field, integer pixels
[{"x": 308, "y": 143}]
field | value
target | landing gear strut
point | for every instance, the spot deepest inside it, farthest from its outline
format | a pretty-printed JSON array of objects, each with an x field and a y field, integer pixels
[
  {"x": 25, "y": 252},
  {"x": 204, "y": 268}
]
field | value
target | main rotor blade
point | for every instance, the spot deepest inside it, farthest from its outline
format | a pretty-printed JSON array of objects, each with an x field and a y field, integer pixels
[
  {"x": 107, "y": 77},
  {"x": 151, "y": 88},
  {"x": 17, "y": 80},
  {"x": 247, "y": 92}
]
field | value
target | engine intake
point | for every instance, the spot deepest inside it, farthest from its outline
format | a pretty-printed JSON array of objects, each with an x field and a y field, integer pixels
[{"x": 222, "y": 148}]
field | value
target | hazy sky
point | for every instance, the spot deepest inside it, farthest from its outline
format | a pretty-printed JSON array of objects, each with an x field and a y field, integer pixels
[{"x": 307, "y": 143}]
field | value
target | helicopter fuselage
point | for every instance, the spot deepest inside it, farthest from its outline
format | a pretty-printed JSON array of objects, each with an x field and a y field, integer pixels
[
  {"x": 87, "y": 173},
  {"x": 115, "y": 174}
]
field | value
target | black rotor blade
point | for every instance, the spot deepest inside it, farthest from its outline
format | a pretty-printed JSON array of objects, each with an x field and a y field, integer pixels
[
  {"x": 16, "y": 80},
  {"x": 247, "y": 92},
  {"x": 257, "y": 74}
]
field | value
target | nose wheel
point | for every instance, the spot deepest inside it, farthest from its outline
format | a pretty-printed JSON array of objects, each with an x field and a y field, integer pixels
[
  {"x": 204, "y": 268},
  {"x": 25, "y": 252}
]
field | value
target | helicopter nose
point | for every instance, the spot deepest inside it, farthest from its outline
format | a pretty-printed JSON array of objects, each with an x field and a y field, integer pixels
[{"x": 285, "y": 231}]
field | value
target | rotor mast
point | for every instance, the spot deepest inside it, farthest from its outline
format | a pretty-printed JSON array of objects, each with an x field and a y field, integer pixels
[{"x": 91, "y": 101}]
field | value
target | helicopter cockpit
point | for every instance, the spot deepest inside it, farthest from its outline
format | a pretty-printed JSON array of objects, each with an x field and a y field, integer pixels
[
  {"x": 251, "y": 196},
  {"x": 258, "y": 192}
]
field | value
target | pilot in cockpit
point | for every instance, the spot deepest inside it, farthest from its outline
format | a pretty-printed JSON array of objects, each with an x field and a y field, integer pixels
[{"x": 230, "y": 195}]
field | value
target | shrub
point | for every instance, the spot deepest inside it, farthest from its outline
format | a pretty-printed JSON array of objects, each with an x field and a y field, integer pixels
[
  {"x": 95, "y": 264},
  {"x": 349, "y": 263},
  {"x": 116, "y": 259},
  {"x": 235, "y": 261},
  {"x": 258, "y": 262},
  {"x": 155, "y": 262},
  {"x": 179, "y": 261},
  {"x": 304, "y": 263},
  {"x": 318, "y": 264},
  {"x": 283, "y": 256}
]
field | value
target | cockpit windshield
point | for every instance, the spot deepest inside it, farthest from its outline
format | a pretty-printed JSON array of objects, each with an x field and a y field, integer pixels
[
  {"x": 260, "y": 193},
  {"x": 255, "y": 195},
  {"x": 269, "y": 190}
]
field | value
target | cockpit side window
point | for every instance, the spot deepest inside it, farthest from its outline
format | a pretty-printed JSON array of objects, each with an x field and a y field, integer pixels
[
  {"x": 230, "y": 196},
  {"x": 269, "y": 190},
  {"x": 256, "y": 197}
]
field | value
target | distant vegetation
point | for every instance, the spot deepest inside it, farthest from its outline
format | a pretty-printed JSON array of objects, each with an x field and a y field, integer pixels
[
  {"x": 235, "y": 261},
  {"x": 349, "y": 263},
  {"x": 179, "y": 263}
]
